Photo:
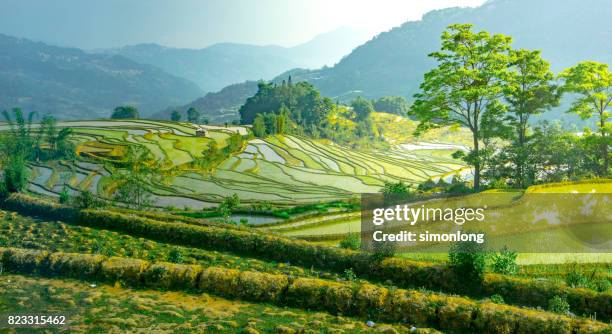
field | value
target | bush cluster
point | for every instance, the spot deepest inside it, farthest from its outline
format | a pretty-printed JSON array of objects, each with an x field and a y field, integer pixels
[{"x": 350, "y": 298}]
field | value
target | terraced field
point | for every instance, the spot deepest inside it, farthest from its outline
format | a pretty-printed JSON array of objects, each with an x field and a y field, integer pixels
[
  {"x": 111, "y": 272},
  {"x": 284, "y": 170}
]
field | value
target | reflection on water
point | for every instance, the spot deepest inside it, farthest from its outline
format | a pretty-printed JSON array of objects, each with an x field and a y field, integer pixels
[{"x": 255, "y": 219}]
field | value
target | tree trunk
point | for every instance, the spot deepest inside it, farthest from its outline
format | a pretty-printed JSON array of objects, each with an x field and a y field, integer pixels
[
  {"x": 520, "y": 159},
  {"x": 604, "y": 146},
  {"x": 476, "y": 163}
]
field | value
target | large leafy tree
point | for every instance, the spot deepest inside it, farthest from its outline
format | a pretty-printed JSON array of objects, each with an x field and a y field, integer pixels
[
  {"x": 362, "y": 108},
  {"x": 465, "y": 87},
  {"x": 528, "y": 91},
  {"x": 592, "y": 82},
  {"x": 125, "y": 112},
  {"x": 392, "y": 104},
  {"x": 193, "y": 115},
  {"x": 175, "y": 116},
  {"x": 133, "y": 181},
  {"x": 259, "y": 126}
]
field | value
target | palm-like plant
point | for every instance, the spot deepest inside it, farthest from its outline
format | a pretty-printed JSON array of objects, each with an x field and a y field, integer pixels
[
  {"x": 19, "y": 140},
  {"x": 17, "y": 147}
]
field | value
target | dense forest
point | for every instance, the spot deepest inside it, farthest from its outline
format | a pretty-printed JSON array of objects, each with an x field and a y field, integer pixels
[{"x": 300, "y": 109}]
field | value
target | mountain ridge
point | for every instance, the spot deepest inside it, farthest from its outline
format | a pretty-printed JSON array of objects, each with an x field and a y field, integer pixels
[
  {"x": 69, "y": 82},
  {"x": 393, "y": 62},
  {"x": 223, "y": 64}
]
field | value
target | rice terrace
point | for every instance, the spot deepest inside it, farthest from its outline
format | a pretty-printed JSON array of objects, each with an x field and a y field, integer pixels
[
  {"x": 159, "y": 189},
  {"x": 280, "y": 169}
]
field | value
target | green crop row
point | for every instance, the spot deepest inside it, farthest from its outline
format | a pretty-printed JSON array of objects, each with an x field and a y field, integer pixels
[
  {"x": 364, "y": 300},
  {"x": 401, "y": 272}
]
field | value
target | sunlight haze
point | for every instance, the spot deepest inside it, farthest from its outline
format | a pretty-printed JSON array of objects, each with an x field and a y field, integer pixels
[{"x": 197, "y": 24}]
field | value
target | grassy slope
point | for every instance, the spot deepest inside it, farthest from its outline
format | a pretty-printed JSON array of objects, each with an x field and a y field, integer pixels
[{"x": 103, "y": 308}]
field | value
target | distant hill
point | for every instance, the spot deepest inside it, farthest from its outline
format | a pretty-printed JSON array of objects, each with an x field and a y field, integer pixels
[
  {"x": 393, "y": 63},
  {"x": 219, "y": 65},
  {"x": 71, "y": 83},
  {"x": 218, "y": 107}
]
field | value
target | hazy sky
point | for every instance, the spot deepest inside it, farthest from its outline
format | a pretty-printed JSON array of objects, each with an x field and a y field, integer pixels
[{"x": 197, "y": 23}]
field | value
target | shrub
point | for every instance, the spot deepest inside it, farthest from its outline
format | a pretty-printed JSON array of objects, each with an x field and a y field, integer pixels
[
  {"x": 75, "y": 265},
  {"x": 86, "y": 200},
  {"x": 64, "y": 196},
  {"x": 382, "y": 250},
  {"x": 172, "y": 276},
  {"x": 429, "y": 184},
  {"x": 318, "y": 294},
  {"x": 123, "y": 269},
  {"x": 231, "y": 202},
  {"x": 468, "y": 261},
  {"x": 21, "y": 260},
  {"x": 602, "y": 284},
  {"x": 175, "y": 255},
  {"x": 504, "y": 262},
  {"x": 220, "y": 280},
  {"x": 36, "y": 206},
  {"x": 577, "y": 279},
  {"x": 558, "y": 305},
  {"x": 351, "y": 241},
  {"x": 247, "y": 285},
  {"x": 15, "y": 174},
  {"x": 497, "y": 299},
  {"x": 3, "y": 190},
  {"x": 399, "y": 188},
  {"x": 459, "y": 188},
  {"x": 349, "y": 275}
]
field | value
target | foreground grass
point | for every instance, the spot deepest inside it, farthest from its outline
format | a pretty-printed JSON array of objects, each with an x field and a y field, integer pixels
[{"x": 114, "y": 309}]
